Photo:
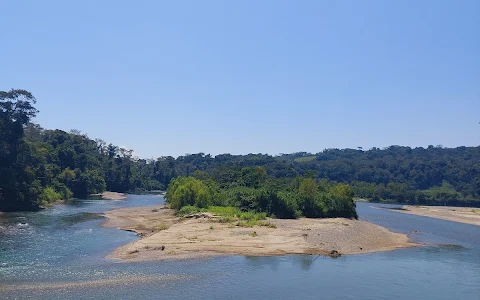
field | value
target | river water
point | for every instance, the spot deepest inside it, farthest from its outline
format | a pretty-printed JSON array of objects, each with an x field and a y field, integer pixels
[{"x": 58, "y": 253}]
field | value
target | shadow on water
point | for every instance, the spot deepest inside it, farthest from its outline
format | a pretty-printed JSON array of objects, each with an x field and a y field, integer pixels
[
  {"x": 393, "y": 208},
  {"x": 302, "y": 262}
]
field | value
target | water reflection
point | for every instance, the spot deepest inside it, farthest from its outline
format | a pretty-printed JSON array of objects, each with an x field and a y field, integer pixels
[{"x": 273, "y": 263}]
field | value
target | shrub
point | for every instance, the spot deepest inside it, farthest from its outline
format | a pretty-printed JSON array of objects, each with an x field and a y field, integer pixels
[
  {"x": 285, "y": 206},
  {"x": 49, "y": 195},
  {"x": 63, "y": 190},
  {"x": 183, "y": 191}
]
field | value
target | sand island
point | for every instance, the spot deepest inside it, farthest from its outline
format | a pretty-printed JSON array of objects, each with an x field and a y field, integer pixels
[{"x": 166, "y": 236}]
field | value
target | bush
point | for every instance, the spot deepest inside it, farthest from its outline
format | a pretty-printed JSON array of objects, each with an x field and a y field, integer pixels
[
  {"x": 183, "y": 191},
  {"x": 242, "y": 197},
  {"x": 285, "y": 206},
  {"x": 342, "y": 204},
  {"x": 63, "y": 190},
  {"x": 49, "y": 195}
]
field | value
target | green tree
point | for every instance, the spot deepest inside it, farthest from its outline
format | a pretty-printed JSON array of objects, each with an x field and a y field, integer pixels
[
  {"x": 19, "y": 187},
  {"x": 183, "y": 191}
]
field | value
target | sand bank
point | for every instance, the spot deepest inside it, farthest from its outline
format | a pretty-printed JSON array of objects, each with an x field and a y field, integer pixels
[
  {"x": 165, "y": 236},
  {"x": 111, "y": 196},
  {"x": 468, "y": 215}
]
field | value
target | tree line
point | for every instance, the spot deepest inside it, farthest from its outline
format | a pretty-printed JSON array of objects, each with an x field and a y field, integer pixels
[{"x": 40, "y": 166}]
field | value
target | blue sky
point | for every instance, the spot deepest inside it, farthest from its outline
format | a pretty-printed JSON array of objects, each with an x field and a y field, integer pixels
[{"x": 175, "y": 77}]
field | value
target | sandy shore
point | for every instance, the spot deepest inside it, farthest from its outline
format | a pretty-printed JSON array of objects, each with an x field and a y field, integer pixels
[
  {"x": 165, "y": 236},
  {"x": 468, "y": 215},
  {"x": 111, "y": 196}
]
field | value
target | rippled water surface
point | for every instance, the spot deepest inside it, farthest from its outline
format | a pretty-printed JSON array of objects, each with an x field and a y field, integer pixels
[{"x": 58, "y": 254}]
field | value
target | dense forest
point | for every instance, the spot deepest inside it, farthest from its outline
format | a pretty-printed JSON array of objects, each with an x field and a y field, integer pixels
[{"x": 40, "y": 166}]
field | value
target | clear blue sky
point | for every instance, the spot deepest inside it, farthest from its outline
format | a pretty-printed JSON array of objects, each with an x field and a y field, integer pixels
[{"x": 175, "y": 77}]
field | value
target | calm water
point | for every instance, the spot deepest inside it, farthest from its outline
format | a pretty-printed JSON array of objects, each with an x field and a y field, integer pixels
[{"x": 63, "y": 246}]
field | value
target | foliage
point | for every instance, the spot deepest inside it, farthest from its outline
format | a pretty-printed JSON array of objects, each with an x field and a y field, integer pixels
[
  {"x": 19, "y": 186},
  {"x": 288, "y": 186},
  {"x": 250, "y": 205},
  {"x": 395, "y": 173},
  {"x": 188, "y": 191},
  {"x": 49, "y": 195}
]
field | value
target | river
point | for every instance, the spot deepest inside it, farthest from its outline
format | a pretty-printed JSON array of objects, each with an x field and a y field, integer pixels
[{"x": 58, "y": 253}]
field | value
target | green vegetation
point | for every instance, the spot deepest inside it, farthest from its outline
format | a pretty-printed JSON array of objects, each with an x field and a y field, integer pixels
[
  {"x": 228, "y": 214},
  {"x": 189, "y": 210},
  {"x": 49, "y": 195},
  {"x": 432, "y": 176},
  {"x": 40, "y": 166},
  {"x": 251, "y": 197}
]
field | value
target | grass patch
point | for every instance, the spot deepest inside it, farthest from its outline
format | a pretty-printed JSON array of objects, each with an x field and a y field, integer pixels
[
  {"x": 251, "y": 223},
  {"x": 161, "y": 227},
  {"x": 253, "y": 234},
  {"x": 229, "y": 214},
  {"x": 189, "y": 210}
]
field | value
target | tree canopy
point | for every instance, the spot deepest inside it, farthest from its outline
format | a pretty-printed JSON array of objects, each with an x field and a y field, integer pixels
[{"x": 38, "y": 165}]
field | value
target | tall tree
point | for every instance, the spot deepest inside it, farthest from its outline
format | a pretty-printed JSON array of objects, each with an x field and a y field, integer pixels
[{"x": 19, "y": 187}]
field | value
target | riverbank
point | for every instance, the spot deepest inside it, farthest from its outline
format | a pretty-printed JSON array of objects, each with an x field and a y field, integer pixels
[
  {"x": 165, "y": 236},
  {"x": 110, "y": 196},
  {"x": 467, "y": 215}
]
